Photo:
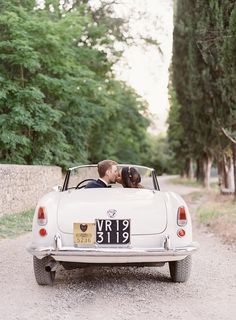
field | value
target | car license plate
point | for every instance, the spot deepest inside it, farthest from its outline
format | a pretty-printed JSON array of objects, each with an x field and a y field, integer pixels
[
  {"x": 84, "y": 233},
  {"x": 113, "y": 232}
]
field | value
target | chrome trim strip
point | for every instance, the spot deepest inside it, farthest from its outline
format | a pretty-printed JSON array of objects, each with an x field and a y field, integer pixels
[
  {"x": 119, "y": 165},
  {"x": 110, "y": 252}
]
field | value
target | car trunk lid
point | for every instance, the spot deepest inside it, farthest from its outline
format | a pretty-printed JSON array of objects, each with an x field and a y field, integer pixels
[{"x": 146, "y": 209}]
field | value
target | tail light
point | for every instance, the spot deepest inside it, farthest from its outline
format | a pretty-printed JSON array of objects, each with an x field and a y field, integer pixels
[
  {"x": 42, "y": 216},
  {"x": 181, "y": 233},
  {"x": 181, "y": 217},
  {"x": 43, "y": 232}
]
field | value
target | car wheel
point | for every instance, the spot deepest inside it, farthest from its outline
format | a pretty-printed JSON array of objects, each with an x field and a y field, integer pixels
[
  {"x": 41, "y": 275},
  {"x": 180, "y": 270}
]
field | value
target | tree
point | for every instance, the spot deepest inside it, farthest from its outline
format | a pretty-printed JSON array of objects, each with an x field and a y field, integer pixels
[
  {"x": 29, "y": 123},
  {"x": 59, "y": 99},
  {"x": 200, "y": 78}
]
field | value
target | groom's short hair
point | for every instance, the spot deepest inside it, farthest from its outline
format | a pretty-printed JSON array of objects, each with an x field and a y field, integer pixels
[{"x": 105, "y": 165}]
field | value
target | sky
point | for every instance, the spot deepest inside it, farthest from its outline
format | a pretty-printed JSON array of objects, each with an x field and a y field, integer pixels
[{"x": 142, "y": 66}]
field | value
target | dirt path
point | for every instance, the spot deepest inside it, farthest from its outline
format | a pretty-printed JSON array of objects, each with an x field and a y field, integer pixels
[{"x": 121, "y": 293}]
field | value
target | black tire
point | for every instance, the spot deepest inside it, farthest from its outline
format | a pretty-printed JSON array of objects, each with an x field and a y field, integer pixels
[
  {"x": 180, "y": 270},
  {"x": 41, "y": 275}
]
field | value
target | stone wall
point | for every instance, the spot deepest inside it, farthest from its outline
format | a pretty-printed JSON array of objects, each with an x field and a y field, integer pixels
[{"x": 22, "y": 186}]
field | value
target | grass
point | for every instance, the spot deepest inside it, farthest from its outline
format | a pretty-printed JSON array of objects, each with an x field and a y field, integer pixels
[
  {"x": 218, "y": 213},
  {"x": 186, "y": 182},
  {"x": 193, "y": 196},
  {"x": 217, "y": 206},
  {"x": 214, "y": 210},
  {"x": 207, "y": 214},
  {"x": 15, "y": 224},
  {"x": 193, "y": 183}
]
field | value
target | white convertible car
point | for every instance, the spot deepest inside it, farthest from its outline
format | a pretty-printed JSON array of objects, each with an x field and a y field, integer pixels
[{"x": 76, "y": 227}]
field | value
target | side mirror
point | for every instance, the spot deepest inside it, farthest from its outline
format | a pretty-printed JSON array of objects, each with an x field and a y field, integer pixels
[{"x": 57, "y": 188}]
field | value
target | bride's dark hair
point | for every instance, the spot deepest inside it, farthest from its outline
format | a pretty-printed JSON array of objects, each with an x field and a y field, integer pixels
[{"x": 130, "y": 177}]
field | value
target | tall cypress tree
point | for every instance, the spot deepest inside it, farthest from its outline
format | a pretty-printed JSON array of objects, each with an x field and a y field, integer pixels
[{"x": 205, "y": 106}]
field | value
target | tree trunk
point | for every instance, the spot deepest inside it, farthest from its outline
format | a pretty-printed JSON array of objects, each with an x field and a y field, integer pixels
[
  {"x": 233, "y": 147},
  {"x": 225, "y": 185},
  {"x": 220, "y": 169},
  {"x": 199, "y": 171},
  {"x": 207, "y": 162},
  {"x": 182, "y": 173},
  {"x": 228, "y": 173},
  {"x": 189, "y": 168},
  {"x": 234, "y": 166}
]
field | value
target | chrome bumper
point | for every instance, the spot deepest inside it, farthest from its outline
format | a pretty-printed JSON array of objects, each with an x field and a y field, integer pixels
[{"x": 114, "y": 255}]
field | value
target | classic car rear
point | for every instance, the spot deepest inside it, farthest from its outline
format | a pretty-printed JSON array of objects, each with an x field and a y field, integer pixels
[{"x": 77, "y": 227}]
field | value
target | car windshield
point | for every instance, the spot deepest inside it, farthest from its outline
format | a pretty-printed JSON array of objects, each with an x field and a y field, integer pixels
[{"x": 81, "y": 173}]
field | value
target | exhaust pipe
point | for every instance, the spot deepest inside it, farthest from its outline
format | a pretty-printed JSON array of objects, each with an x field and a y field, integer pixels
[{"x": 51, "y": 266}]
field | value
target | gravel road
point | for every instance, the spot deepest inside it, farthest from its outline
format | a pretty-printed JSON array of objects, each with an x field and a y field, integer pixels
[{"x": 121, "y": 293}]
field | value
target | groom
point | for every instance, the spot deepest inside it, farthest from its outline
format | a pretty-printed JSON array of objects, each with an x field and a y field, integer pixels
[{"x": 108, "y": 173}]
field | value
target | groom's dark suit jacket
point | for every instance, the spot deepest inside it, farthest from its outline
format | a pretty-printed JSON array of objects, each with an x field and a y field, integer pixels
[{"x": 96, "y": 184}]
